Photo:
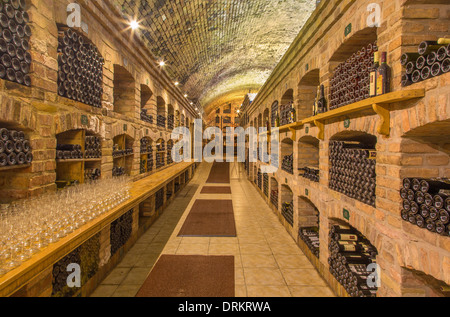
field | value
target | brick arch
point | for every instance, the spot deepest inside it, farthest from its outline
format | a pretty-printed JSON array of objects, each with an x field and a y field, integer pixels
[
  {"x": 18, "y": 114},
  {"x": 308, "y": 213},
  {"x": 307, "y": 91},
  {"x": 76, "y": 121}
]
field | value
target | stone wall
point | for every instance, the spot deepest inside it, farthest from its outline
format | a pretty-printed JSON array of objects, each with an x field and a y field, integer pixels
[{"x": 418, "y": 144}]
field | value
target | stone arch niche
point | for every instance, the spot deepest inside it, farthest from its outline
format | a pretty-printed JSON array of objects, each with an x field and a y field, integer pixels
[
  {"x": 287, "y": 154},
  {"x": 308, "y": 91},
  {"x": 147, "y": 104},
  {"x": 350, "y": 173},
  {"x": 309, "y": 157},
  {"x": 170, "y": 117},
  {"x": 309, "y": 225},
  {"x": 274, "y": 192},
  {"x": 285, "y": 108},
  {"x": 266, "y": 117},
  {"x": 287, "y": 204},
  {"x": 146, "y": 162},
  {"x": 161, "y": 112},
  {"x": 274, "y": 113},
  {"x": 124, "y": 91}
]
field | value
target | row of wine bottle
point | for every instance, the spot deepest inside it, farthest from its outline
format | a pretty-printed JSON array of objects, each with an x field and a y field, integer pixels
[
  {"x": 266, "y": 184},
  {"x": 352, "y": 170},
  {"x": 351, "y": 81},
  {"x": 118, "y": 171},
  {"x": 169, "y": 153},
  {"x": 310, "y": 236},
  {"x": 80, "y": 69},
  {"x": 120, "y": 231},
  {"x": 426, "y": 203},
  {"x": 287, "y": 211},
  {"x": 93, "y": 147},
  {"x": 431, "y": 59},
  {"x": 288, "y": 164},
  {"x": 287, "y": 114},
  {"x": 15, "y": 33},
  {"x": 170, "y": 121},
  {"x": 159, "y": 199},
  {"x": 146, "y": 117},
  {"x": 274, "y": 197},
  {"x": 161, "y": 121},
  {"x": 146, "y": 146},
  {"x": 260, "y": 178},
  {"x": 350, "y": 255},
  {"x": 160, "y": 162},
  {"x": 118, "y": 152},
  {"x": 92, "y": 174},
  {"x": 14, "y": 148},
  {"x": 313, "y": 174}
]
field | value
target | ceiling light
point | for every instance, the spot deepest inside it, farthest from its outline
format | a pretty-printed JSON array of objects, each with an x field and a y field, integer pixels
[
  {"x": 185, "y": 95},
  {"x": 134, "y": 25},
  {"x": 162, "y": 63},
  {"x": 176, "y": 83}
]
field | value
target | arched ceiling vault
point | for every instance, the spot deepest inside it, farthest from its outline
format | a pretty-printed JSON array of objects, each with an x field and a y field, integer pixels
[{"x": 218, "y": 47}]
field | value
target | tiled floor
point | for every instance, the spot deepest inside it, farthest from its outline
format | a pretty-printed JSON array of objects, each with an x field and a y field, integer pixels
[{"x": 268, "y": 263}]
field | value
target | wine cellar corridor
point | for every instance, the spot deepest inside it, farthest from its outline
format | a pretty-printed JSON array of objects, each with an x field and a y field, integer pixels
[{"x": 225, "y": 149}]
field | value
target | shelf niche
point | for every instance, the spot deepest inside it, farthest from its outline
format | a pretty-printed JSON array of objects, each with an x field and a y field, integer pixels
[
  {"x": 124, "y": 92},
  {"x": 146, "y": 160},
  {"x": 123, "y": 164},
  {"x": 308, "y": 152},
  {"x": 72, "y": 171},
  {"x": 307, "y": 94}
]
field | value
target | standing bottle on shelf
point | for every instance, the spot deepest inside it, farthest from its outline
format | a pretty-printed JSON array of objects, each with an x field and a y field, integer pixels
[
  {"x": 292, "y": 114},
  {"x": 322, "y": 102},
  {"x": 316, "y": 100},
  {"x": 373, "y": 75},
  {"x": 383, "y": 76}
]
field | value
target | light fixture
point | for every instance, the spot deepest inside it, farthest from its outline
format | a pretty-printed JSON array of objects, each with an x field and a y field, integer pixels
[
  {"x": 185, "y": 95},
  {"x": 134, "y": 25},
  {"x": 176, "y": 83},
  {"x": 162, "y": 63}
]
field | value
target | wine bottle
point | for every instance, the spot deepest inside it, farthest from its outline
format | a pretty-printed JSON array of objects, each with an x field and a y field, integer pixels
[
  {"x": 383, "y": 76},
  {"x": 408, "y": 57},
  {"x": 427, "y": 47},
  {"x": 373, "y": 75},
  {"x": 322, "y": 102}
]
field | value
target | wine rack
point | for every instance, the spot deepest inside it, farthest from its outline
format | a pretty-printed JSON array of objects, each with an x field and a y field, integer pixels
[
  {"x": 285, "y": 114},
  {"x": 159, "y": 199},
  {"x": 350, "y": 256},
  {"x": 352, "y": 171},
  {"x": 426, "y": 204},
  {"x": 310, "y": 236},
  {"x": 170, "y": 122},
  {"x": 266, "y": 184},
  {"x": 15, "y": 149},
  {"x": 145, "y": 117},
  {"x": 161, "y": 121},
  {"x": 60, "y": 275},
  {"x": 287, "y": 211},
  {"x": 169, "y": 191},
  {"x": 274, "y": 113},
  {"x": 15, "y": 58},
  {"x": 121, "y": 230},
  {"x": 146, "y": 163},
  {"x": 93, "y": 147},
  {"x": 87, "y": 256},
  {"x": 313, "y": 174},
  {"x": 80, "y": 69},
  {"x": 274, "y": 197},
  {"x": 350, "y": 82},
  {"x": 288, "y": 164},
  {"x": 430, "y": 60},
  {"x": 123, "y": 154},
  {"x": 169, "y": 152},
  {"x": 259, "y": 179}
]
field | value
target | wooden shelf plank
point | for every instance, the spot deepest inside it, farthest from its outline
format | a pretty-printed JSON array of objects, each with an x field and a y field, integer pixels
[{"x": 14, "y": 167}]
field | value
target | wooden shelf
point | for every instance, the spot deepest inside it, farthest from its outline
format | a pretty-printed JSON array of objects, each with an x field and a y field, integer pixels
[
  {"x": 379, "y": 105},
  {"x": 14, "y": 167},
  {"x": 122, "y": 156},
  {"x": 140, "y": 191}
]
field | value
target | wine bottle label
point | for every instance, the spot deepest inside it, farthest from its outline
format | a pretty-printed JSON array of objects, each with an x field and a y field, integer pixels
[
  {"x": 373, "y": 84},
  {"x": 349, "y": 237}
]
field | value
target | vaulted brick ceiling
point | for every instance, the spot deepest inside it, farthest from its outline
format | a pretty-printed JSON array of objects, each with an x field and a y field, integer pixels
[{"x": 216, "y": 48}]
